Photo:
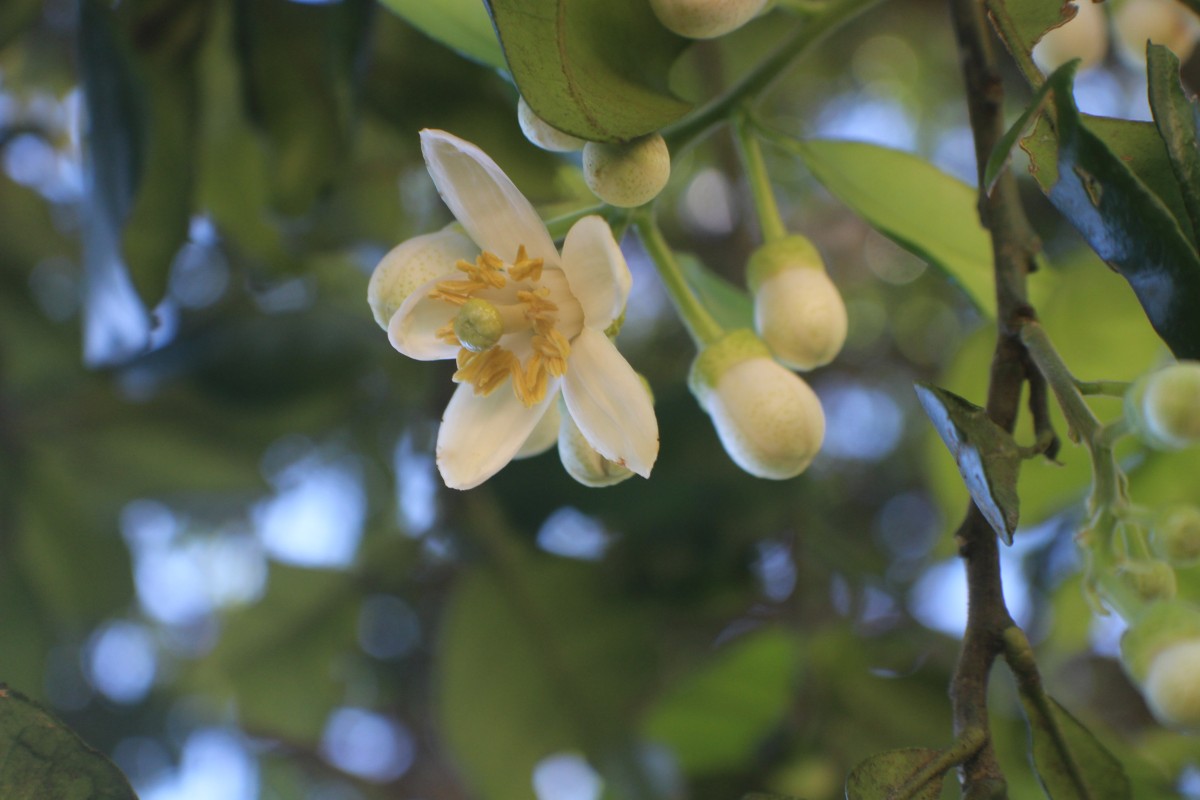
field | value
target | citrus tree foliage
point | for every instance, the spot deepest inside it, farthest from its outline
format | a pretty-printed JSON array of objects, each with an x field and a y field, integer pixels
[{"x": 229, "y": 565}]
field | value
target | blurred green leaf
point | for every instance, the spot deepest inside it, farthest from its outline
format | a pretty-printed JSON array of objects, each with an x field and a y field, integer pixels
[
  {"x": 987, "y": 457},
  {"x": 15, "y": 17},
  {"x": 308, "y": 117},
  {"x": 543, "y": 651},
  {"x": 910, "y": 201},
  {"x": 1175, "y": 118},
  {"x": 43, "y": 759},
  {"x": 1126, "y": 223},
  {"x": 1070, "y": 761},
  {"x": 881, "y": 775},
  {"x": 462, "y": 25},
  {"x": 716, "y": 717},
  {"x": 593, "y": 68},
  {"x": 730, "y": 305}
]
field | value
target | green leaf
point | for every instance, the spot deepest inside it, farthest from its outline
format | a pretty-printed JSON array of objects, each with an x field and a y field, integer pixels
[
  {"x": 1070, "y": 761},
  {"x": 593, "y": 68},
  {"x": 547, "y": 648},
  {"x": 1127, "y": 224},
  {"x": 307, "y": 117},
  {"x": 42, "y": 759},
  {"x": 1023, "y": 22},
  {"x": 15, "y": 17},
  {"x": 715, "y": 718},
  {"x": 730, "y": 305},
  {"x": 910, "y": 201},
  {"x": 988, "y": 459},
  {"x": 462, "y": 25},
  {"x": 1003, "y": 149},
  {"x": 1175, "y": 118},
  {"x": 881, "y": 775}
]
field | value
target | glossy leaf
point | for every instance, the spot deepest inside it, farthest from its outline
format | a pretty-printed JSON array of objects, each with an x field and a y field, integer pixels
[
  {"x": 730, "y": 305},
  {"x": 880, "y": 776},
  {"x": 910, "y": 201},
  {"x": 1070, "y": 761},
  {"x": 1124, "y": 221},
  {"x": 593, "y": 68},
  {"x": 1175, "y": 118},
  {"x": 462, "y": 25},
  {"x": 988, "y": 459},
  {"x": 41, "y": 758},
  {"x": 716, "y": 717}
]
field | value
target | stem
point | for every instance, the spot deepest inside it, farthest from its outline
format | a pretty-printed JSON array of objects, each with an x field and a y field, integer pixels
[
  {"x": 700, "y": 323},
  {"x": 682, "y": 133},
  {"x": 1103, "y": 388},
  {"x": 769, "y": 219},
  {"x": 559, "y": 225},
  {"x": 962, "y": 749}
]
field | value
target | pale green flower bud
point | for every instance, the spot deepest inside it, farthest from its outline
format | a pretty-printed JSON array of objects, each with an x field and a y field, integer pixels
[
  {"x": 1158, "y": 627},
  {"x": 797, "y": 310},
  {"x": 411, "y": 264},
  {"x": 1165, "y": 22},
  {"x": 1172, "y": 687},
  {"x": 1176, "y": 535},
  {"x": 1150, "y": 580},
  {"x": 543, "y": 134},
  {"x": 1163, "y": 408},
  {"x": 705, "y": 19},
  {"x": 768, "y": 419},
  {"x": 627, "y": 174},
  {"x": 1084, "y": 37}
]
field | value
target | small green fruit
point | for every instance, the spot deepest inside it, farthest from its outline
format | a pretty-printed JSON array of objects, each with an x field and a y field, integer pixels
[
  {"x": 629, "y": 174},
  {"x": 705, "y": 19},
  {"x": 543, "y": 134},
  {"x": 1163, "y": 408}
]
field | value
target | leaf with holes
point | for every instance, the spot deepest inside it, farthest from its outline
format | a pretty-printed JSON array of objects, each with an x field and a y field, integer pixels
[
  {"x": 988, "y": 459},
  {"x": 880, "y": 776},
  {"x": 593, "y": 68}
]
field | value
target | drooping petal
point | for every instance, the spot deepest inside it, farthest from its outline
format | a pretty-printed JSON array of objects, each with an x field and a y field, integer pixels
[
  {"x": 414, "y": 326},
  {"x": 596, "y": 271},
  {"x": 412, "y": 263},
  {"x": 544, "y": 434},
  {"x": 609, "y": 403},
  {"x": 480, "y": 434},
  {"x": 493, "y": 211}
]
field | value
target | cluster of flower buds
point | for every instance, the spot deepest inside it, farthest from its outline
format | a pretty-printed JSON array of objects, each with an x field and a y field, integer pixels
[
  {"x": 1161, "y": 654},
  {"x": 1163, "y": 408},
  {"x": 706, "y": 19},
  {"x": 1086, "y": 35}
]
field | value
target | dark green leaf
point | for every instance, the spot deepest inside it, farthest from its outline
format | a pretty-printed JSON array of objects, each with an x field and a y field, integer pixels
[
  {"x": 1175, "y": 117},
  {"x": 1125, "y": 222},
  {"x": 1003, "y": 149},
  {"x": 593, "y": 68},
  {"x": 730, "y": 305},
  {"x": 459, "y": 24},
  {"x": 43, "y": 759},
  {"x": 910, "y": 201},
  {"x": 16, "y": 16},
  {"x": 988, "y": 459},
  {"x": 1023, "y": 22},
  {"x": 881, "y": 775},
  {"x": 1070, "y": 761},
  {"x": 307, "y": 118},
  {"x": 715, "y": 718}
]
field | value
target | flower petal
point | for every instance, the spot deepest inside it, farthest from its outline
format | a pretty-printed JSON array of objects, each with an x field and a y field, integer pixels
[
  {"x": 596, "y": 271},
  {"x": 412, "y": 263},
  {"x": 484, "y": 200},
  {"x": 481, "y": 434},
  {"x": 544, "y": 435},
  {"x": 414, "y": 326},
  {"x": 610, "y": 404}
]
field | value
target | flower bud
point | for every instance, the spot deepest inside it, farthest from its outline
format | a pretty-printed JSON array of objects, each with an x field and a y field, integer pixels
[
  {"x": 1084, "y": 37},
  {"x": 797, "y": 309},
  {"x": 705, "y": 19},
  {"x": 1176, "y": 535},
  {"x": 1163, "y": 408},
  {"x": 768, "y": 419},
  {"x": 1172, "y": 689},
  {"x": 412, "y": 264},
  {"x": 627, "y": 174},
  {"x": 1158, "y": 627},
  {"x": 1164, "y": 22},
  {"x": 543, "y": 134},
  {"x": 1150, "y": 580}
]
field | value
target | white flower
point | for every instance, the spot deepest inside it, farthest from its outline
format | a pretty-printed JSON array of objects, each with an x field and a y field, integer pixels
[{"x": 523, "y": 322}]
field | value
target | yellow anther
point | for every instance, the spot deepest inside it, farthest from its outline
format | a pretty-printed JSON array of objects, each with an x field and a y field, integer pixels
[{"x": 525, "y": 268}]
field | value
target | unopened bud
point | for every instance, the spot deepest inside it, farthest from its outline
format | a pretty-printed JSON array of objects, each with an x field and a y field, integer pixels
[
  {"x": 1176, "y": 535},
  {"x": 1150, "y": 580},
  {"x": 1163, "y": 408},
  {"x": 543, "y": 134},
  {"x": 627, "y": 174},
  {"x": 1165, "y": 22},
  {"x": 1084, "y": 37},
  {"x": 411, "y": 264},
  {"x": 1172, "y": 689},
  {"x": 768, "y": 419},
  {"x": 1158, "y": 627},
  {"x": 705, "y": 19},
  {"x": 797, "y": 310}
]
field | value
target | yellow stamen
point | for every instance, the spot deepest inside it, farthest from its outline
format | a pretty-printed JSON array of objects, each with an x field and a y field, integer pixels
[{"x": 525, "y": 268}]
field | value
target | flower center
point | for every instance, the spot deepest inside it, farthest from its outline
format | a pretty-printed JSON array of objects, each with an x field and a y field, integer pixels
[{"x": 497, "y": 300}]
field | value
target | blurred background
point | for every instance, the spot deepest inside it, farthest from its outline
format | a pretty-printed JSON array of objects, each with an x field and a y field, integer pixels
[{"x": 227, "y": 560}]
